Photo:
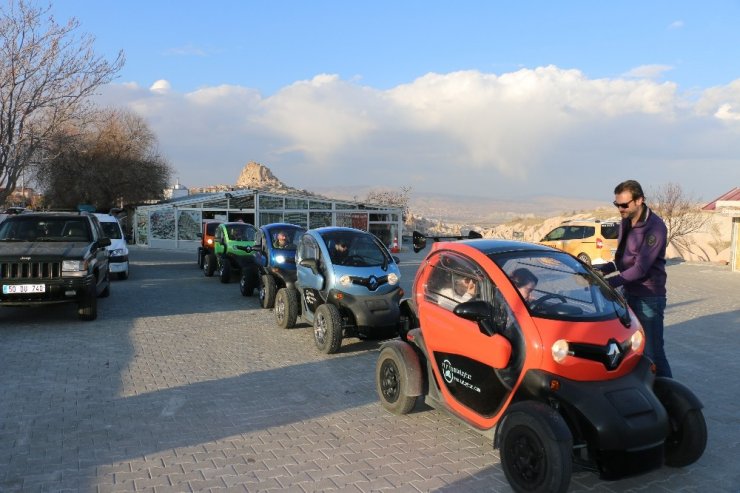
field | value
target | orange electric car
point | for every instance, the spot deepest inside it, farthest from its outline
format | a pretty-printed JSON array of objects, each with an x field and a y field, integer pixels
[{"x": 526, "y": 340}]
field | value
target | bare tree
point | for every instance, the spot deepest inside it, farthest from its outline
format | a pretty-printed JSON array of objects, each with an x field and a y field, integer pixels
[
  {"x": 680, "y": 212},
  {"x": 396, "y": 198},
  {"x": 112, "y": 159},
  {"x": 47, "y": 73}
]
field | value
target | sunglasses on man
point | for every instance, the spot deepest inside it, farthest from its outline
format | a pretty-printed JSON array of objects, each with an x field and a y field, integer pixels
[{"x": 622, "y": 205}]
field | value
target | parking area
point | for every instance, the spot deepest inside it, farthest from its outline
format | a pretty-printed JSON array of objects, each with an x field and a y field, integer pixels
[{"x": 182, "y": 384}]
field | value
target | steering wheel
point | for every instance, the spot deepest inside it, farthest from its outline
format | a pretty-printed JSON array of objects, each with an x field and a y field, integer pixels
[
  {"x": 354, "y": 260},
  {"x": 538, "y": 304}
]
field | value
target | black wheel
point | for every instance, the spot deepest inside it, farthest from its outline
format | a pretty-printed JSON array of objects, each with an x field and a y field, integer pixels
[
  {"x": 532, "y": 460},
  {"x": 87, "y": 309},
  {"x": 391, "y": 384},
  {"x": 267, "y": 291},
  {"x": 286, "y": 307},
  {"x": 209, "y": 265},
  {"x": 246, "y": 284},
  {"x": 200, "y": 259},
  {"x": 687, "y": 439},
  {"x": 123, "y": 275},
  {"x": 224, "y": 274},
  {"x": 584, "y": 258},
  {"x": 327, "y": 329}
]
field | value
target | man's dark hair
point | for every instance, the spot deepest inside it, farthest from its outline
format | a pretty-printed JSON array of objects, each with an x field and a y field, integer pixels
[
  {"x": 523, "y": 276},
  {"x": 631, "y": 186}
]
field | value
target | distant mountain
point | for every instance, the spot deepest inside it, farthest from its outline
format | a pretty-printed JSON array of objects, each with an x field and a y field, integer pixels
[{"x": 482, "y": 211}]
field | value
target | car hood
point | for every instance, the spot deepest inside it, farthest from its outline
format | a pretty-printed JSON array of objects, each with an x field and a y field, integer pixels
[{"x": 67, "y": 249}]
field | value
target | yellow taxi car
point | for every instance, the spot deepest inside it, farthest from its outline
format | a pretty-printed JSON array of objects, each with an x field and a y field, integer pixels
[{"x": 592, "y": 241}]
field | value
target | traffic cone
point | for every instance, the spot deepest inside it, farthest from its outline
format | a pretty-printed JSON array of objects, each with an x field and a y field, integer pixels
[{"x": 394, "y": 248}]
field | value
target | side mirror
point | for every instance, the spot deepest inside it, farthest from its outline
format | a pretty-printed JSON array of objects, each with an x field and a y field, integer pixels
[
  {"x": 104, "y": 242},
  {"x": 419, "y": 242},
  {"x": 491, "y": 319},
  {"x": 396, "y": 259},
  {"x": 199, "y": 235},
  {"x": 476, "y": 311},
  {"x": 311, "y": 264}
]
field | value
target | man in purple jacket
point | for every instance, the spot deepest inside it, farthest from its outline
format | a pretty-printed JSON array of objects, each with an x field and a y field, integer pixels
[{"x": 640, "y": 266}]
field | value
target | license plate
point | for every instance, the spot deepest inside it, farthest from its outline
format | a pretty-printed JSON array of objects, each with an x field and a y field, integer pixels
[{"x": 23, "y": 288}]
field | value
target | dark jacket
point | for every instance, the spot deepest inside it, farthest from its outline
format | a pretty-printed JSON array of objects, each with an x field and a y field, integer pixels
[{"x": 640, "y": 257}]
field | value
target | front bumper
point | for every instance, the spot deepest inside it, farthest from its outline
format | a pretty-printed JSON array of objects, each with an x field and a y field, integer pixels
[
  {"x": 622, "y": 422},
  {"x": 65, "y": 290},
  {"x": 373, "y": 312},
  {"x": 118, "y": 264}
]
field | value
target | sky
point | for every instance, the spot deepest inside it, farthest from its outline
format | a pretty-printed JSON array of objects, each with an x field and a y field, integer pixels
[{"x": 475, "y": 98}]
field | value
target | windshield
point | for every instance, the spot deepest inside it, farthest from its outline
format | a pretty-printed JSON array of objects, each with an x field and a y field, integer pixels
[
  {"x": 44, "y": 228},
  {"x": 111, "y": 230},
  {"x": 285, "y": 238},
  {"x": 556, "y": 285},
  {"x": 241, "y": 231},
  {"x": 355, "y": 249}
]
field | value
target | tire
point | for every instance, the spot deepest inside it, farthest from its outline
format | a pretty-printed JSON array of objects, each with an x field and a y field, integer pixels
[
  {"x": 327, "y": 329},
  {"x": 286, "y": 308},
  {"x": 209, "y": 265},
  {"x": 87, "y": 309},
  {"x": 687, "y": 439},
  {"x": 246, "y": 284},
  {"x": 200, "y": 259},
  {"x": 224, "y": 274},
  {"x": 391, "y": 383},
  {"x": 584, "y": 258},
  {"x": 267, "y": 291},
  {"x": 123, "y": 275},
  {"x": 534, "y": 462}
]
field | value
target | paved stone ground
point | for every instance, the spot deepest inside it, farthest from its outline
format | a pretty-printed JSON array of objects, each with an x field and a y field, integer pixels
[{"x": 182, "y": 384}]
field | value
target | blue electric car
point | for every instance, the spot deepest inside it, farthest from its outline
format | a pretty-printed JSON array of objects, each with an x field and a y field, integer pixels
[
  {"x": 274, "y": 251},
  {"x": 347, "y": 286}
]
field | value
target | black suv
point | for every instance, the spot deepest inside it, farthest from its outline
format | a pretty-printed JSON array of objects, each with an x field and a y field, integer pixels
[{"x": 54, "y": 258}]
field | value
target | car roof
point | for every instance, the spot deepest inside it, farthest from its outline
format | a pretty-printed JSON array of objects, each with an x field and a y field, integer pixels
[
  {"x": 106, "y": 218},
  {"x": 271, "y": 226},
  {"x": 493, "y": 246}
]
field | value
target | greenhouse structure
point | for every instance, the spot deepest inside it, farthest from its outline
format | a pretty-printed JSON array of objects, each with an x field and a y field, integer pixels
[{"x": 176, "y": 223}]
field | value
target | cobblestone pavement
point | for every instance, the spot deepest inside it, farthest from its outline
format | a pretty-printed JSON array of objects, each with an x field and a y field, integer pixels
[{"x": 182, "y": 384}]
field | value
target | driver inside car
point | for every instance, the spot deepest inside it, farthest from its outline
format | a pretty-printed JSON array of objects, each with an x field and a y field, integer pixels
[
  {"x": 525, "y": 282},
  {"x": 341, "y": 251}
]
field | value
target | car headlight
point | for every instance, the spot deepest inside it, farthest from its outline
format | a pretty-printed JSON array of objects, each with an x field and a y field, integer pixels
[
  {"x": 637, "y": 340},
  {"x": 118, "y": 252},
  {"x": 345, "y": 280},
  {"x": 560, "y": 350},
  {"x": 280, "y": 259},
  {"x": 392, "y": 279},
  {"x": 209, "y": 241},
  {"x": 74, "y": 268}
]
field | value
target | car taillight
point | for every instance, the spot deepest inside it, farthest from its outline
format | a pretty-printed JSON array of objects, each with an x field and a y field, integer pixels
[{"x": 599, "y": 243}]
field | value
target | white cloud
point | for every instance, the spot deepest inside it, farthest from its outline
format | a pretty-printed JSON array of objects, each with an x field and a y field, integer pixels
[
  {"x": 676, "y": 25},
  {"x": 647, "y": 72},
  {"x": 543, "y": 130},
  {"x": 161, "y": 87}
]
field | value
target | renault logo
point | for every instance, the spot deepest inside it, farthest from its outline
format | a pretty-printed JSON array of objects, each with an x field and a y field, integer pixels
[
  {"x": 372, "y": 283},
  {"x": 613, "y": 353}
]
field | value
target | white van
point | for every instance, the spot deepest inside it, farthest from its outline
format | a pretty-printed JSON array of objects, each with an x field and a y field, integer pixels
[{"x": 118, "y": 262}]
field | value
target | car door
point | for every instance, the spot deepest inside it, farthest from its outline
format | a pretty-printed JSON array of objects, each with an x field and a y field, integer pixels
[
  {"x": 464, "y": 358},
  {"x": 310, "y": 274},
  {"x": 101, "y": 253}
]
